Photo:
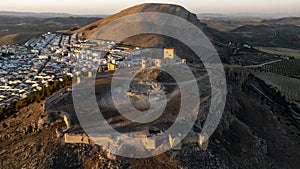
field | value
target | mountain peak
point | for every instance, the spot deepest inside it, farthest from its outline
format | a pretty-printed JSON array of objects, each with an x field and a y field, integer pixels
[
  {"x": 171, "y": 9},
  {"x": 155, "y": 7}
]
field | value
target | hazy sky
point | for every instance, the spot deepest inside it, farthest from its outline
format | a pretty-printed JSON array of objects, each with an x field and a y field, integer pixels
[{"x": 113, "y": 6}]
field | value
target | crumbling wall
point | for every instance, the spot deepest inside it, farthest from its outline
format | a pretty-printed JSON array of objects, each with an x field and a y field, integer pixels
[
  {"x": 76, "y": 138},
  {"x": 67, "y": 119}
]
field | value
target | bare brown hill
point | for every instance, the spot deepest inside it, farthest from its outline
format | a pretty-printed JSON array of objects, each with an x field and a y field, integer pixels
[
  {"x": 155, "y": 40},
  {"x": 147, "y": 7}
]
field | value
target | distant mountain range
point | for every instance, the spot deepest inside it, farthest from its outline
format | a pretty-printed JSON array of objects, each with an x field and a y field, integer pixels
[
  {"x": 249, "y": 15},
  {"x": 45, "y": 15},
  {"x": 284, "y": 21},
  {"x": 19, "y": 26},
  {"x": 215, "y": 15}
]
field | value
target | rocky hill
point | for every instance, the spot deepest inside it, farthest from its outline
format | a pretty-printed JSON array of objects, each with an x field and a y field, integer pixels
[
  {"x": 219, "y": 39},
  {"x": 147, "y": 7},
  {"x": 159, "y": 41},
  {"x": 255, "y": 131}
]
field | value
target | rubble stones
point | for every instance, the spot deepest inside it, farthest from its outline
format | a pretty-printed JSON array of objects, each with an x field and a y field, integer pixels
[{"x": 59, "y": 132}]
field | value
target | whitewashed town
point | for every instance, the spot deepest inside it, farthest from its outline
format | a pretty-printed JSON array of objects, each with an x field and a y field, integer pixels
[{"x": 52, "y": 56}]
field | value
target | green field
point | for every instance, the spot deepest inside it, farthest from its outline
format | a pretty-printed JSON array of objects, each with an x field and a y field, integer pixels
[{"x": 281, "y": 51}]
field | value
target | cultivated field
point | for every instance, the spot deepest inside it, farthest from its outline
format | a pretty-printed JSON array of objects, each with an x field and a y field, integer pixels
[
  {"x": 284, "y": 67},
  {"x": 280, "y": 51},
  {"x": 287, "y": 87},
  {"x": 8, "y": 39}
]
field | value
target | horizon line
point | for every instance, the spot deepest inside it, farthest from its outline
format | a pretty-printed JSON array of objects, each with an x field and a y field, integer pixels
[{"x": 249, "y": 14}]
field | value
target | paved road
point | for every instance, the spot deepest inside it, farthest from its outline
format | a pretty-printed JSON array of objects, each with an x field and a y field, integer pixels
[{"x": 263, "y": 64}]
